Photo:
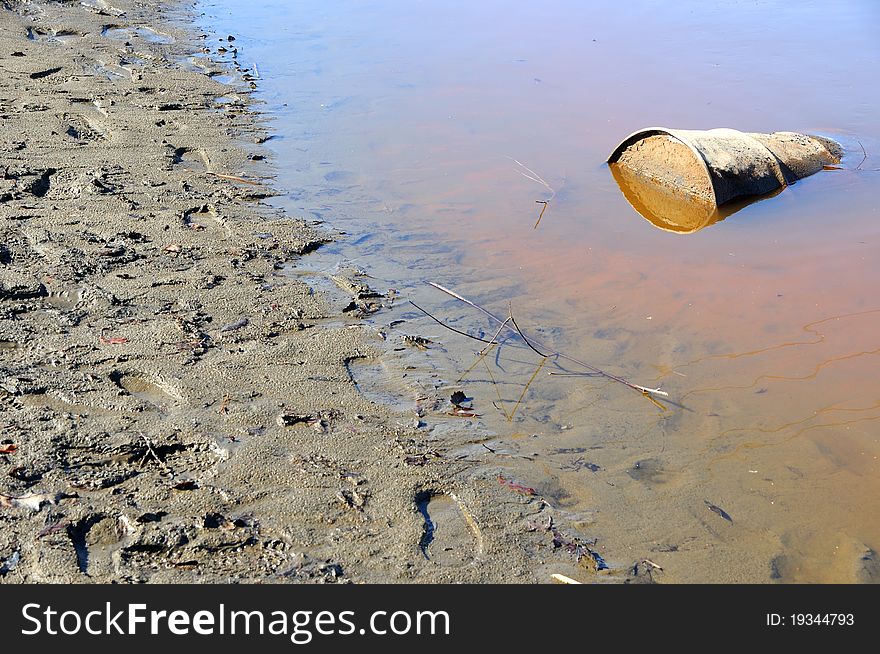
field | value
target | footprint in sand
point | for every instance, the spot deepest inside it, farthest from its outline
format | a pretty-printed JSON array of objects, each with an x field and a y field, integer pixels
[
  {"x": 194, "y": 159},
  {"x": 54, "y": 36},
  {"x": 83, "y": 130},
  {"x": 157, "y": 393},
  {"x": 451, "y": 538},
  {"x": 94, "y": 539},
  {"x": 205, "y": 218}
]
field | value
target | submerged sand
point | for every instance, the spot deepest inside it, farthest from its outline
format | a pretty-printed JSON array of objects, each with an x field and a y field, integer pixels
[{"x": 173, "y": 407}]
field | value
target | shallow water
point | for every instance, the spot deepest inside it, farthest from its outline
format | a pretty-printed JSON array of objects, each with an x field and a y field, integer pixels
[{"x": 429, "y": 132}]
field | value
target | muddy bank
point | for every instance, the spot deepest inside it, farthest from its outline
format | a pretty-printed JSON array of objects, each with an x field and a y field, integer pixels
[{"x": 173, "y": 408}]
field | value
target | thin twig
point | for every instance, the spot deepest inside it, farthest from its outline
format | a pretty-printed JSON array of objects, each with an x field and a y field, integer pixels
[
  {"x": 535, "y": 177},
  {"x": 453, "y": 329},
  {"x": 151, "y": 451},
  {"x": 494, "y": 340},
  {"x": 480, "y": 356},
  {"x": 864, "y": 152},
  {"x": 521, "y": 335},
  {"x": 224, "y": 405},
  {"x": 543, "y": 209},
  {"x": 500, "y": 404},
  {"x": 529, "y": 383},
  {"x": 857, "y": 169},
  {"x": 654, "y": 401},
  {"x": 466, "y": 301},
  {"x": 574, "y": 374},
  {"x": 497, "y": 320},
  {"x": 235, "y": 178}
]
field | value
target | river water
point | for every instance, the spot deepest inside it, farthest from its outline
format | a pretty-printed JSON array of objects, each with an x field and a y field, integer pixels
[{"x": 431, "y": 133}]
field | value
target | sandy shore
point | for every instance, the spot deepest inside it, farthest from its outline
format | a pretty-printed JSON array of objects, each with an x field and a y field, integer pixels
[{"x": 173, "y": 407}]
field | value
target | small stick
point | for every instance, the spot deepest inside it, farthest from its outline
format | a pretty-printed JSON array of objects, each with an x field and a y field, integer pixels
[
  {"x": 864, "y": 158},
  {"x": 234, "y": 178},
  {"x": 457, "y": 331},
  {"x": 543, "y": 209},
  {"x": 574, "y": 374},
  {"x": 480, "y": 356},
  {"x": 161, "y": 463},
  {"x": 494, "y": 340},
  {"x": 522, "y": 336},
  {"x": 500, "y": 404},
  {"x": 535, "y": 177},
  {"x": 529, "y": 383},
  {"x": 466, "y": 301},
  {"x": 653, "y": 401}
]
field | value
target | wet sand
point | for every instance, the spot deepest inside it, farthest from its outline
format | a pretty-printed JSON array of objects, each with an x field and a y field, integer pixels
[{"x": 174, "y": 406}]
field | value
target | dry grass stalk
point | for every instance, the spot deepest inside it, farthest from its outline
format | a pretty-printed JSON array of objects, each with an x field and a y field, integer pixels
[
  {"x": 500, "y": 404},
  {"x": 234, "y": 178},
  {"x": 535, "y": 177},
  {"x": 864, "y": 155},
  {"x": 481, "y": 355},
  {"x": 453, "y": 329},
  {"x": 525, "y": 390},
  {"x": 534, "y": 344},
  {"x": 541, "y": 215}
]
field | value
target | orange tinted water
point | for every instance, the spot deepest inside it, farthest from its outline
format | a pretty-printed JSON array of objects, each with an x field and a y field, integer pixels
[{"x": 416, "y": 127}]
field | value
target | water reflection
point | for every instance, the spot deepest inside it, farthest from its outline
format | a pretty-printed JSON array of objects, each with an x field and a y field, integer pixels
[{"x": 671, "y": 211}]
